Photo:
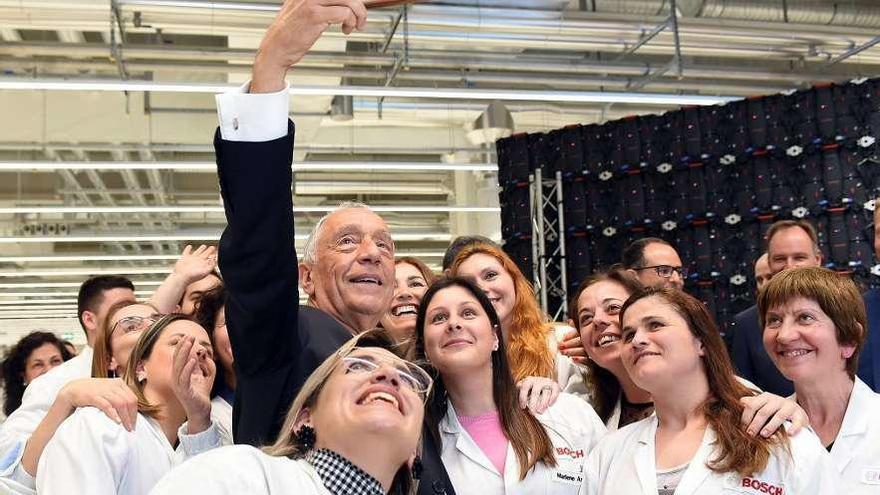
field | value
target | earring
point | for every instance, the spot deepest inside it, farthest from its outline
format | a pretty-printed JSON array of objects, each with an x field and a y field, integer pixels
[
  {"x": 141, "y": 377},
  {"x": 417, "y": 468},
  {"x": 304, "y": 438},
  {"x": 495, "y": 347}
]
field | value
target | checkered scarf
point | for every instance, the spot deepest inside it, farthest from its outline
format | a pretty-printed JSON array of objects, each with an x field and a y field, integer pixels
[{"x": 340, "y": 476}]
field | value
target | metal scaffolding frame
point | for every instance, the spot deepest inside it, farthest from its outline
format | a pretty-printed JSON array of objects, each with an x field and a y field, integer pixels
[{"x": 548, "y": 243}]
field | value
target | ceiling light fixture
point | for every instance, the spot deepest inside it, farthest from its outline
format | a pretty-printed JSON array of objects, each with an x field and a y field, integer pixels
[
  {"x": 212, "y": 167},
  {"x": 26, "y": 210},
  {"x": 153, "y": 257},
  {"x": 372, "y": 92},
  {"x": 196, "y": 236}
]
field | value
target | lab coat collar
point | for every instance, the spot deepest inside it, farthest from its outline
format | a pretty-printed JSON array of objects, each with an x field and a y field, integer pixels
[
  {"x": 155, "y": 430},
  {"x": 646, "y": 463},
  {"x": 465, "y": 444},
  {"x": 698, "y": 470},
  {"x": 855, "y": 424}
]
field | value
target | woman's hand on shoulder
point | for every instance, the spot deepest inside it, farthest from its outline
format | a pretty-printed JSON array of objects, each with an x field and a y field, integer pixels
[
  {"x": 766, "y": 412},
  {"x": 111, "y": 395},
  {"x": 537, "y": 393}
]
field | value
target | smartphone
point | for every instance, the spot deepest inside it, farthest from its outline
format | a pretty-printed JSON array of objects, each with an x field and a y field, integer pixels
[{"x": 375, "y": 4}]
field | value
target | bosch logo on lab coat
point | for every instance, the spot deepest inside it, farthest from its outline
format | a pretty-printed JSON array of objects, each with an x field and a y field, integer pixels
[{"x": 759, "y": 486}]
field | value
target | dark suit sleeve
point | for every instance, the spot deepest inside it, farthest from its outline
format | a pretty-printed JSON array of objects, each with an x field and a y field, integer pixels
[
  {"x": 742, "y": 358},
  {"x": 259, "y": 267}
]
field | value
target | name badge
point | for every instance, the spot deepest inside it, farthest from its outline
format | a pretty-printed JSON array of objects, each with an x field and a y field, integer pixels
[
  {"x": 871, "y": 476},
  {"x": 568, "y": 477}
]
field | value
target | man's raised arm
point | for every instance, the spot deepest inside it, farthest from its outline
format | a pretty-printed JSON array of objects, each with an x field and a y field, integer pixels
[{"x": 254, "y": 149}]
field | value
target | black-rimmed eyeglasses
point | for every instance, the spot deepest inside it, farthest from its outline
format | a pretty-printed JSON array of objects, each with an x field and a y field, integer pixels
[{"x": 666, "y": 271}]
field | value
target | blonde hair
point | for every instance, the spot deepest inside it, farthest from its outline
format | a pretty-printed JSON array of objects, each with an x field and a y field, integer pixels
[
  {"x": 285, "y": 445},
  {"x": 142, "y": 350}
]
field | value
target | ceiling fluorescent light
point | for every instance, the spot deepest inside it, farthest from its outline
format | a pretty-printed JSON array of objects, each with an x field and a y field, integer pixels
[
  {"x": 97, "y": 257},
  {"x": 212, "y": 167},
  {"x": 86, "y": 272},
  {"x": 373, "y": 92},
  {"x": 154, "y": 257},
  {"x": 68, "y": 308},
  {"x": 252, "y": 7},
  {"x": 39, "y": 302},
  {"x": 428, "y": 236},
  {"x": 138, "y": 293},
  {"x": 41, "y": 285},
  {"x": 25, "y": 210}
]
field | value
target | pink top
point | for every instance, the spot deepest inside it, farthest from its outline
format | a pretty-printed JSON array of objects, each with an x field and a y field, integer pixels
[{"x": 486, "y": 431}]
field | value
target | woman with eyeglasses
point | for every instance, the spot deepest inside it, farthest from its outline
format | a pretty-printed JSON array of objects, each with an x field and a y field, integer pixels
[
  {"x": 171, "y": 371},
  {"x": 125, "y": 321},
  {"x": 695, "y": 442},
  {"x": 530, "y": 339},
  {"x": 488, "y": 443},
  {"x": 353, "y": 428}
]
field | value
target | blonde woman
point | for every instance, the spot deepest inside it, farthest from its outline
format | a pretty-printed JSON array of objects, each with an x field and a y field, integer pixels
[
  {"x": 353, "y": 428},
  {"x": 171, "y": 370}
]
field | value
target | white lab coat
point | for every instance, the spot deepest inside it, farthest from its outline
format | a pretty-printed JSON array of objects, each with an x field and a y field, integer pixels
[
  {"x": 573, "y": 428},
  {"x": 856, "y": 450},
  {"x": 221, "y": 413},
  {"x": 91, "y": 454},
  {"x": 570, "y": 376},
  {"x": 240, "y": 470},
  {"x": 35, "y": 403},
  {"x": 614, "y": 419},
  {"x": 624, "y": 463}
]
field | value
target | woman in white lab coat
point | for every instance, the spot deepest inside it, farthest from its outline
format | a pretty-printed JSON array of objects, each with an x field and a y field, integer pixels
[
  {"x": 814, "y": 327},
  {"x": 170, "y": 370},
  {"x": 695, "y": 443},
  {"x": 488, "y": 442},
  {"x": 210, "y": 313},
  {"x": 354, "y": 427},
  {"x": 595, "y": 312},
  {"x": 532, "y": 348}
]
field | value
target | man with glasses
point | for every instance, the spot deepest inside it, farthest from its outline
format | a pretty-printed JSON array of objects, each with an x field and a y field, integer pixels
[{"x": 655, "y": 263}]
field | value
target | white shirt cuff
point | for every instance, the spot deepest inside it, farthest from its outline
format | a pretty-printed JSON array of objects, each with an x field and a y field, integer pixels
[
  {"x": 253, "y": 117},
  {"x": 194, "y": 444}
]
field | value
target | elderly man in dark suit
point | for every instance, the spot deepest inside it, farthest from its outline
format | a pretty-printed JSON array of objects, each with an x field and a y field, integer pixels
[{"x": 348, "y": 264}]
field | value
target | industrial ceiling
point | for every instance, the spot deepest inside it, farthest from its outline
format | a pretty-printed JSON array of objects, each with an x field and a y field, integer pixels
[{"x": 106, "y": 164}]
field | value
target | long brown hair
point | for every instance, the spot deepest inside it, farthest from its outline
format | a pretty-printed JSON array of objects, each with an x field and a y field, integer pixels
[
  {"x": 737, "y": 450},
  {"x": 528, "y": 349},
  {"x": 603, "y": 386},
  {"x": 527, "y": 436}
]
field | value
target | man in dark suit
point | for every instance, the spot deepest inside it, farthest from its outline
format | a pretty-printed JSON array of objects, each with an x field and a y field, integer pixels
[
  {"x": 348, "y": 264},
  {"x": 869, "y": 356},
  {"x": 790, "y": 243}
]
